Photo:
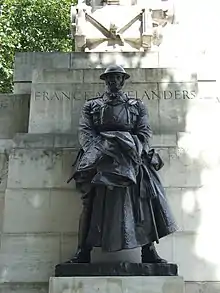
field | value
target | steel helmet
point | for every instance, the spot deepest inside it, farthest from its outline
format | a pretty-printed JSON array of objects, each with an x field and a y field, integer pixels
[{"x": 114, "y": 69}]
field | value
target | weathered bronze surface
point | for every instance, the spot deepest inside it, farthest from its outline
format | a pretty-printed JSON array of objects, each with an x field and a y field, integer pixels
[
  {"x": 124, "y": 202},
  {"x": 115, "y": 269}
]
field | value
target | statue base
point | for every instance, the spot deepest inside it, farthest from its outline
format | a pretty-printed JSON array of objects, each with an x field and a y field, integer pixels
[
  {"x": 115, "y": 269},
  {"x": 135, "y": 284}
]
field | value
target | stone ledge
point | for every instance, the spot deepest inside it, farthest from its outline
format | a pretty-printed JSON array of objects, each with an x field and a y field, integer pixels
[
  {"x": 202, "y": 287},
  {"x": 5, "y": 145},
  {"x": 117, "y": 285},
  {"x": 69, "y": 140},
  {"x": 24, "y": 287},
  {"x": 45, "y": 140},
  {"x": 137, "y": 75},
  {"x": 115, "y": 269}
]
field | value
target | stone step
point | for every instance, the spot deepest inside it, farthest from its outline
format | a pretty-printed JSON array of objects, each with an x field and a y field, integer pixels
[
  {"x": 24, "y": 287},
  {"x": 117, "y": 284}
]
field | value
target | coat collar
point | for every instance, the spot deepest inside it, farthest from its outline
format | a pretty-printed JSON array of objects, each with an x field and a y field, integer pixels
[{"x": 115, "y": 98}]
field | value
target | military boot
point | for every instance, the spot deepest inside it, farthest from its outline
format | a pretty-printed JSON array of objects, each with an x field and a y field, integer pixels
[{"x": 150, "y": 255}]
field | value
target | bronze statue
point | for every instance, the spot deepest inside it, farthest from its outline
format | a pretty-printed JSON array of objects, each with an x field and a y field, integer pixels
[{"x": 124, "y": 203}]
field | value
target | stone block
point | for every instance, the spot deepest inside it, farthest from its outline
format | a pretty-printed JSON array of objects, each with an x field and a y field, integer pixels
[
  {"x": 179, "y": 169},
  {"x": 50, "y": 107},
  {"x": 61, "y": 75},
  {"x": 5, "y": 145},
  {"x": 208, "y": 89},
  {"x": 165, "y": 76},
  {"x": 141, "y": 75},
  {"x": 165, "y": 248},
  {"x": 3, "y": 184},
  {"x": 33, "y": 141},
  {"x": 67, "y": 140},
  {"x": 197, "y": 260},
  {"x": 53, "y": 103},
  {"x": 2, "y": 207},
  {"x": 47, "y": 211},
  {"x": 116, "y": 284},
  {"x": 193, "y": 287},
  {"x": 175, "y": 198},
  {"x": 28, "y": 257},
  {"x": 68, "y": 242},
  {"x": 40, "y": 168},
  {"x": 3, "y": 171},
  {"x": 172, "y": 59},
  {"x": 65, "y": 210},
  {"x": 164, "y": 140},
  {"x": 174, "y": 104},
  {"x": 92, "y": 75},
  {"x": 27, "y": 61},
  {"x": 165, "y": 92},
  {"x": 202, "y": 287},
  {"x": 14, "y": 114},
  {"x": 193, "y": 209},
  {"x": 45, "y": 140},
  {"x": 185, "y": 204},
  {"x": 146, "y": 93},
  {"x": 24, "y": 288},
  {"x": 70, "y": 140},
  {"x": 125, "y": 59},
  {"x": 22, "y": 88}
]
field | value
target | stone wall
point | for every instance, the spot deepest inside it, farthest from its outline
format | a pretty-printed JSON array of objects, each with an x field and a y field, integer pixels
[
  {"x": 14, "y": 114},
  {"x": 3, "y": 177},
  {"x": 40, "y": 219},
  {"x": 58, "y": 95}
]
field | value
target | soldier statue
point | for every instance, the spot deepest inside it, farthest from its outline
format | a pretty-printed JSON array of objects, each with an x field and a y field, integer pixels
[{"x": 124, "y": 202}]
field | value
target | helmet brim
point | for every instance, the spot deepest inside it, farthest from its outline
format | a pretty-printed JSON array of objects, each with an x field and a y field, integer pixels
[{"x": 103, "y": 75}]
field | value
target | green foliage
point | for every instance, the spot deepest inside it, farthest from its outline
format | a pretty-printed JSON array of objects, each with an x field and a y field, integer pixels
[{"x": 31, "y": 25}]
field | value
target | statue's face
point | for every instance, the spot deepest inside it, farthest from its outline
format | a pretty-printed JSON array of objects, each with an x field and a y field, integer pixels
[{"x": 114, "y": 82}]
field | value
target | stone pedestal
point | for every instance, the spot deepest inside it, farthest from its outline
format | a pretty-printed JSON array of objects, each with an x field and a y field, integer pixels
[
  {"x": 115, "y": 269},
  {"x": 117, "y": 285}
]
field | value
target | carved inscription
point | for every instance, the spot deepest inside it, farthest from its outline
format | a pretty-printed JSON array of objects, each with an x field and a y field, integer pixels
[
  {"x": 11, "y": 103},
  {"x": 164, "y": 95},
  {"x": 149, "y": 95},
  {"x": 50, "y": 96}
]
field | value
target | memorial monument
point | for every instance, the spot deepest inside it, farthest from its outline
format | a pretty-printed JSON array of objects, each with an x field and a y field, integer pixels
[{"x": 40, "y": 212}]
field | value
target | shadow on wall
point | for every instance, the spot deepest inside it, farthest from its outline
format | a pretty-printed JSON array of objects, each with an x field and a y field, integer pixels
[{"x": 201, "y": 143}]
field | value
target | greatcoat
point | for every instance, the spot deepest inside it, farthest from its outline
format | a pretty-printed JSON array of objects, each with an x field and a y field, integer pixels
[{"x": 116, "y": 171}]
